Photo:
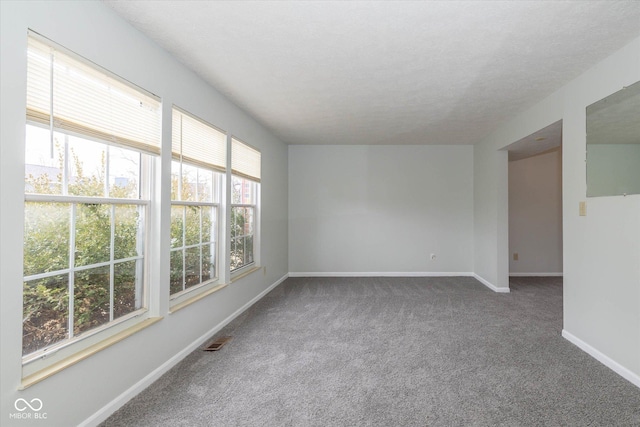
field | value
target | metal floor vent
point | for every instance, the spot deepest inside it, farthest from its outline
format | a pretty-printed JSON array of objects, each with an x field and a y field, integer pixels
[{"x": 217, "y": 344}]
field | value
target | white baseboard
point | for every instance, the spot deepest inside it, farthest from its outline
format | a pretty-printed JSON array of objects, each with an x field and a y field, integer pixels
[
  {"x": 490, "y": 285},
  {"x": 535, "y": 274},
  {"x": 130, "y": 393},
  {"x": 602, "y": 358},
  {"x": 379, "y": 274},
  {"x": 399, "y": 274}
]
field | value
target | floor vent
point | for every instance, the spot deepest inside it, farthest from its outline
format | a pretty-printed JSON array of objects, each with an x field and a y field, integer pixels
[{"x": 217, "y": 344}]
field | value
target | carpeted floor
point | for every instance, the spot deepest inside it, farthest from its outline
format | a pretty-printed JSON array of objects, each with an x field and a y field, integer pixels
[{"x": 392, "y": 352}]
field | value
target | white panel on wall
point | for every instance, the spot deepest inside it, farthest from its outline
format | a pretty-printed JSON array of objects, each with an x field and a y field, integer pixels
[
  {"x": 535, "y": 214},
  {"x": 380, "y": 209}
]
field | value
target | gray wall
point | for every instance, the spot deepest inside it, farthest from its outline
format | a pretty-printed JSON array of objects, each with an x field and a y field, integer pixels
[
  {"x": 535, "y": 214},
  {"x": 94, "y": 31},
  {"x": 380, "y": 209}
]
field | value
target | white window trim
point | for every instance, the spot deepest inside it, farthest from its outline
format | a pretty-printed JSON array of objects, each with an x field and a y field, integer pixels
[
  {"x": 59, "y": 361},
  {"x": 192, "y": 294},
  {"x": 61, "y": 351},
  {"x": 49, "y": 360},
  {"x": 246, "y": 168},
  {"x": 245, "y": 270},
  {"x": 57, "y": 353},
  {"x": 54, "y": 353}
]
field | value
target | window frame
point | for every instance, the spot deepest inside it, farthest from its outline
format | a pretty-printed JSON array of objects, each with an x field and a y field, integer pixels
[
  {"x": 245, "y": 168},
  {"x": 40, "y": 363},
  {"x": 203, "y": 286},
  {"x": 55, "y": 352},
  {"x": 218, "y": 175},
  {"x": 254, "y": 227},
  {"x": 156, "y": 161}
]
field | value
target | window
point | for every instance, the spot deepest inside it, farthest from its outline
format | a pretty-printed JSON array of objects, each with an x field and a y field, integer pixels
[
  {"x": 199, "y": 157},
  {"x": 91, "y": 140},
  {"x": 245, "y": 191}
]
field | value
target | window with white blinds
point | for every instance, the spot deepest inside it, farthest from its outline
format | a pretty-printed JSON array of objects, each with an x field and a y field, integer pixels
[
  {"x": 199, "y": 153},
  {"x": 68, "y": 94},
  {"x": 245, "y": 160},
  {"x": 197, "y": 142},
  {"x": 91, "y": 145}
]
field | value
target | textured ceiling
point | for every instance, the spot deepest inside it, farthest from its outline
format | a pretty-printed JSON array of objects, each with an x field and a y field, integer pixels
[{"x": 322, "y": 72}]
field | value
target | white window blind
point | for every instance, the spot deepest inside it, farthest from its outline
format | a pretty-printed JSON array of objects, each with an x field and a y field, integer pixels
[
  {"x": 197, "y": 142},
  {"x": 245, "y": 160},
  {"x": 67, "y": 93}
]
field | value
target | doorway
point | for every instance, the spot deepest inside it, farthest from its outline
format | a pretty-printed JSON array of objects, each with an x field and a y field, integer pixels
[{"x": 535, "y": 204}]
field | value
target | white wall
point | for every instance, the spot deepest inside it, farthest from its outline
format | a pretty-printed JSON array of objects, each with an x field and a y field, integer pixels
[
  {"x": 490, "y": 217},
  {"x": 94, "y": 31},
  {"x": 602, "y": 249},
  {"x": 380, "y": 209},
  {"x": 601, "y": 253},
  {"x": 535, "y": 214}
]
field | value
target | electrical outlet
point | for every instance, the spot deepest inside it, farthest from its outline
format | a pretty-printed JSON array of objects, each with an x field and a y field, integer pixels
[
  {"x": 515, "y": 256},
  {"x": 433, "y": 257}
]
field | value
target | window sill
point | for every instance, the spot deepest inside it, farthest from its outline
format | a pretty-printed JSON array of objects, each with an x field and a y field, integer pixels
[
  {"x": 45, "y": 373},
  {"x": 244, "y": 273},
  {"x": 187, "y": 302}
]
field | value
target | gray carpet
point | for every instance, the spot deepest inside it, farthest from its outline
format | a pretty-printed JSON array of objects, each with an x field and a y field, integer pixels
[{"x": 393, "y": 352}]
